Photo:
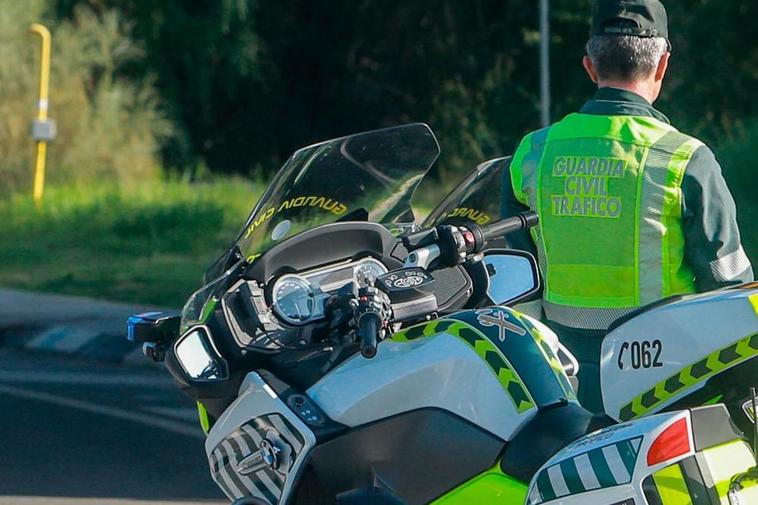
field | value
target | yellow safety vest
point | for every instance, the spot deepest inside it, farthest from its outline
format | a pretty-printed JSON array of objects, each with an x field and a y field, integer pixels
[{"x": 608, "y": 193}]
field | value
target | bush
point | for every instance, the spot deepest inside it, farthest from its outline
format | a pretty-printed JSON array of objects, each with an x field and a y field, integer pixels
[{"x": 109, "y": 129}]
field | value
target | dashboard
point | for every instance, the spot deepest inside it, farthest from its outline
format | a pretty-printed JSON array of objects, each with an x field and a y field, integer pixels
[{"x": 298, "y": 299}]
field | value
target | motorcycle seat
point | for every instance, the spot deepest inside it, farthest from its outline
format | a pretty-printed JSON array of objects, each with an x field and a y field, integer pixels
[{"x": 548, "y": 432}]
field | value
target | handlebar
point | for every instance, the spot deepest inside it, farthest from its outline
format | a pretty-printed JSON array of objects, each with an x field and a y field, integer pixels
[
  {"x": 369, "y": 325},
  {"x": 450, "y": 245},
  {"x": 516, "y": 223}
]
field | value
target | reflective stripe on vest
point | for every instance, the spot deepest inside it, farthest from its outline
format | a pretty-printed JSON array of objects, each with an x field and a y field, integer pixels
[{"x": 608, "y": 192}]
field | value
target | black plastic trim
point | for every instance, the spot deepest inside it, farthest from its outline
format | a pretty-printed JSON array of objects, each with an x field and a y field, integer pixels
[
  {"x": 324, "y": 429},
  {"x": 325, "y": 245},
  {"x": 712, "y": 425},
  {"x": 414, "y": 457},
  {"x": 693, "y": 478},
  {"x": 650, "y": 490},
  {"x": 547, "y": 433},
  {"x": 646, "y": 308}
]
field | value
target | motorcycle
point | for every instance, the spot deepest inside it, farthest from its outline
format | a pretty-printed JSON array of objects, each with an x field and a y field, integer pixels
[{"x": 337, "y": 360}]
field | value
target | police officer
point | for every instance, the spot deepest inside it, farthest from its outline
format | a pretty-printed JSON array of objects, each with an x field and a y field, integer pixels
[{"x": 631, "y": 210}]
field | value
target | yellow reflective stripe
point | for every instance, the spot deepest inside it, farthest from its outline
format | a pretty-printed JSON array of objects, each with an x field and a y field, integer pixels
[
  {"x": 516, "y": 168},
  {"x": 671, "y": 486},
  {"x": 205, "y": 421},
  {"x": 724, "y": 462},
  {"x": 650, "y": 218},
  {"x": 754, "y": 302},
  {"x": 525, "y": 167},
  {"x": 673, "y": 240},
  {"x": 659, "y": 214},
  {"x": 525, "y": 182}
]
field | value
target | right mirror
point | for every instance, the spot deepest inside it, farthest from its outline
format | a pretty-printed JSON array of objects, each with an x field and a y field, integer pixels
[{"x": 513, "y": 276}]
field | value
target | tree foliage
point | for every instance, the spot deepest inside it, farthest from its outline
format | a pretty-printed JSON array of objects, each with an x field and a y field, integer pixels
[{"x": 248, "y": 81}]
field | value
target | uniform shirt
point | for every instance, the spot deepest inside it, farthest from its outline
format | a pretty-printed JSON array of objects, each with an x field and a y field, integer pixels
[{"x": 713, "y": 248}]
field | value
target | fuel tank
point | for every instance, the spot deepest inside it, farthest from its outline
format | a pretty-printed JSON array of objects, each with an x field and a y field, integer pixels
[
  {"x": 492, "y": 367},
  {"x": 683, "y": 352}
]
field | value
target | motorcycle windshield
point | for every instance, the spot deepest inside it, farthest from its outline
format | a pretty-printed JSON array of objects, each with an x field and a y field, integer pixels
[
  {"x": 477, "y": 198},
  {"x": 368, "y": 176}
]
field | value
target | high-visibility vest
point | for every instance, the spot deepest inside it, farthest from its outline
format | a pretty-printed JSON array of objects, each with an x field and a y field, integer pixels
[{"x": 608, "y": 193}]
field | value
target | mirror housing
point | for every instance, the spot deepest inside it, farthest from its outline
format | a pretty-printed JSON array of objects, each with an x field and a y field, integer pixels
[
  {"x": 153, "y": 327},
  {"x": 513, "y": 276},
  {"x": 198, "y": 357}
]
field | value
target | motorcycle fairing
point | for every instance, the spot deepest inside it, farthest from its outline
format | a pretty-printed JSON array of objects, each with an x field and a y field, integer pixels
[
  {"x": 691, "y": 375},
  {"x": 485, "y": 348},
  {"x": 701, "y": 338},
  {"x": 414, "y": 457},
  {"x": 609, "y": 463},
  {"x": 642, "y": 462},
  {"x": 514, "y": 347},
  {"x": 440, "y": 371},
  {"x": 256, "y": 415}
]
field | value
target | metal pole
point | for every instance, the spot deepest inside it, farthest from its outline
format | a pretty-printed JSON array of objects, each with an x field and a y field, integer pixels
[
  {"x": 545, "y": 61},
  {"x": 42, "y": 105}
]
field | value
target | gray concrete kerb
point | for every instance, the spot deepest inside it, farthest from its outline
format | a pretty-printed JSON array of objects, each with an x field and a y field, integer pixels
[{"x": 71, "y": 325}]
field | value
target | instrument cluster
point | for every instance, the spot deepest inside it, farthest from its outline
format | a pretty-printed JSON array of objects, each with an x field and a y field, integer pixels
[{"x": 299, "y": 299}]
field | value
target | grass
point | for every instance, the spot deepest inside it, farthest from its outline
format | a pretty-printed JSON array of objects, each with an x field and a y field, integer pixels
[
  {"x": 152, "y": 243},
  {"x": 147, "y": 245}
]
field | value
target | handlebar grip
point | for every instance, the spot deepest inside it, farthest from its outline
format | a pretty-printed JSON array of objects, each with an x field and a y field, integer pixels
[
  {"x": 516, "y": 223},
  {"x": 369, "y": 325}
]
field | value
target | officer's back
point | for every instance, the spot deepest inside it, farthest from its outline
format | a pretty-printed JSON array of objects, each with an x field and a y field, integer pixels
[{"x": 631, "y": 210}]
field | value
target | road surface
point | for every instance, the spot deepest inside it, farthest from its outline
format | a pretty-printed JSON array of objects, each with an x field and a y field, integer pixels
[{"x": 74, "y": 432}]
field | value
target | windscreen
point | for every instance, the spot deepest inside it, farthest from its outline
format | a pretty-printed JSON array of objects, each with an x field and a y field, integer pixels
[
  {"x": 478, "y": 198},
  {"x": 368, "y": 176}
]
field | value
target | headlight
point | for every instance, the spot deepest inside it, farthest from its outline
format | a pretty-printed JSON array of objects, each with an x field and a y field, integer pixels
[{"x": 198, "y": 357}]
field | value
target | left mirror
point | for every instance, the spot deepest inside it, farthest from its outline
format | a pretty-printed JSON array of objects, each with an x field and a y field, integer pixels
[
  {"x": 199, "y": 358},
  {"x": 513, "y": 276}
]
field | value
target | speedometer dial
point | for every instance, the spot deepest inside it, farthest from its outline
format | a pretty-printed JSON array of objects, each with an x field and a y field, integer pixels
[
  {"x": 293, "y": 299},
  {"x": 368, "y": 270}
]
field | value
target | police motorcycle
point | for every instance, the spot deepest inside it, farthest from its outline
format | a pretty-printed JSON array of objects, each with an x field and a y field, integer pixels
[{"x": 336, "y": 360}]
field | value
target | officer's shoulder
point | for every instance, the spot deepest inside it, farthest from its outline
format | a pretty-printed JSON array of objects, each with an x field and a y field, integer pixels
[
  {"x": 702, "y": 166},
  {"x": 535, "y": 137},
  {"x": 697, "y": 143}
]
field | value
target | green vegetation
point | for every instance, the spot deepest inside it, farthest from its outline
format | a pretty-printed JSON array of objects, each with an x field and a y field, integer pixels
[
  {"x": 738, "y": 158},
  {"x": 109, "y": 127},
  {"x": 148, "y": 245}
]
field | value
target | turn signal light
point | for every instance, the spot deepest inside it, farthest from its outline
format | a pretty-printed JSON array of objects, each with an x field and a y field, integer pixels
[{"x": 672, "y": 443}]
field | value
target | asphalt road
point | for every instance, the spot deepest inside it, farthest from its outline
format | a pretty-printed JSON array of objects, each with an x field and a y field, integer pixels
[{"x": 73, "y": 432}]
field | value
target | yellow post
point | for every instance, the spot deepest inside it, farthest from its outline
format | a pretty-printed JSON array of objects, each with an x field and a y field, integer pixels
[{"x": 42, "y": 105}]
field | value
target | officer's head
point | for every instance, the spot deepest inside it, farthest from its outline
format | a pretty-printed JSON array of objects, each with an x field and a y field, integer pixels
[{"x": 629, "y": 45}]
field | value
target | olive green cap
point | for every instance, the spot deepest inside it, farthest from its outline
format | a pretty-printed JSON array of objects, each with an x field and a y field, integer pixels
[{"x": 639, "y": 18}]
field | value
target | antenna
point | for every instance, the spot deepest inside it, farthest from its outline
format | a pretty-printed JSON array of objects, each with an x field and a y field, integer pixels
[{"x": 753, "y": 395}]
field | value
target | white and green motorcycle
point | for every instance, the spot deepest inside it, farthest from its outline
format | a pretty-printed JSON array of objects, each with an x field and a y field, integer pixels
[{"x": 342, "y": 355}]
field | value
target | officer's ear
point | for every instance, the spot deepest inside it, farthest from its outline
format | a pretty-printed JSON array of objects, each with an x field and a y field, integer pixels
[
  {"x": 590, "y": 68},
  {"x": 663, "y": 66}
]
